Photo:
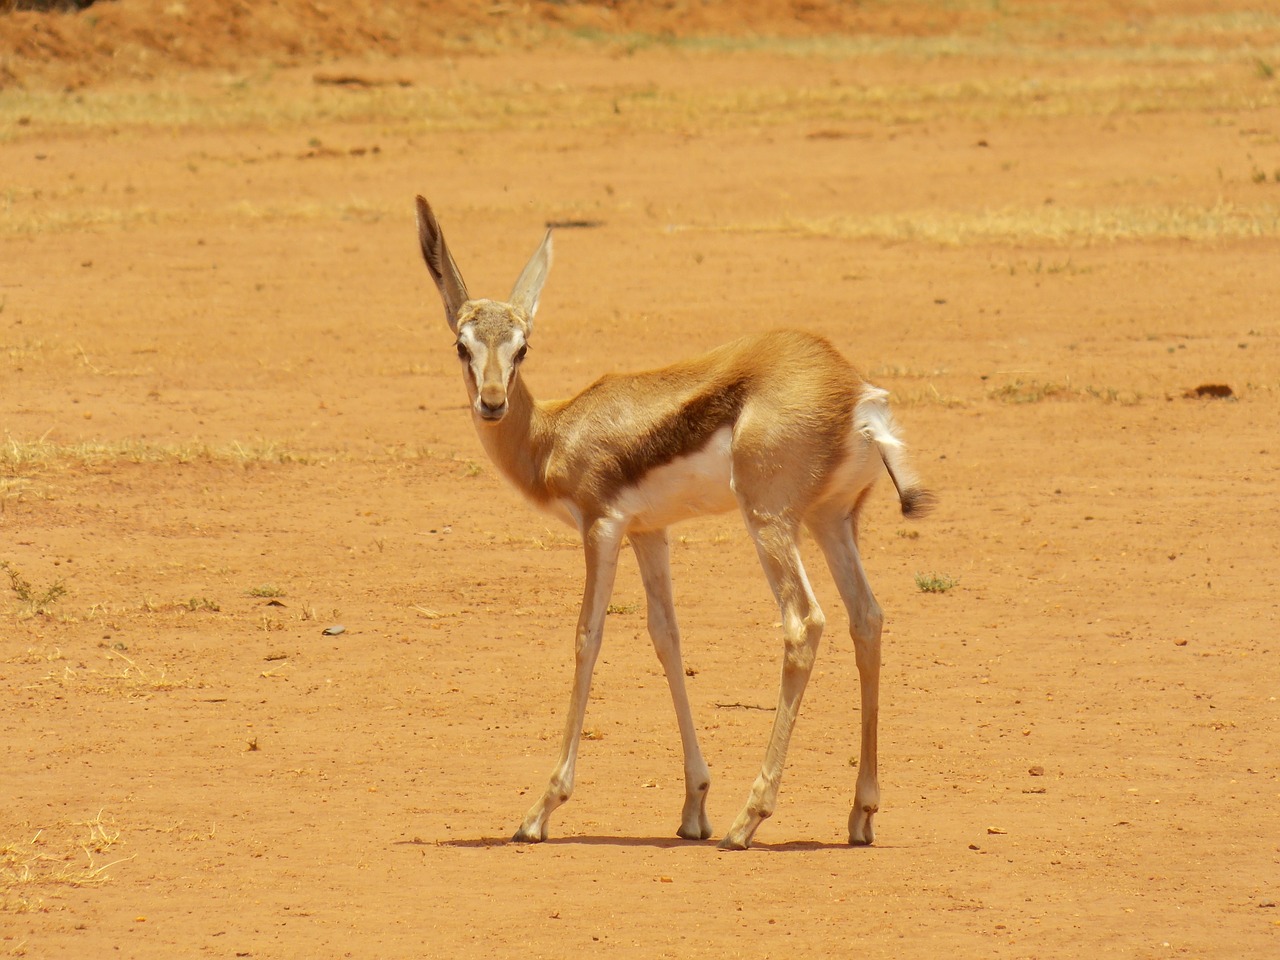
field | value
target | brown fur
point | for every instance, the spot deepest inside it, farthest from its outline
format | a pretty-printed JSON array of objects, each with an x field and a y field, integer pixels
[{"x": 660, "y": 415}]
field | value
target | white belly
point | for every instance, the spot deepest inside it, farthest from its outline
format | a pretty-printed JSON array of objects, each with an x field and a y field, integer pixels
[{"x": 691, "y": 486}]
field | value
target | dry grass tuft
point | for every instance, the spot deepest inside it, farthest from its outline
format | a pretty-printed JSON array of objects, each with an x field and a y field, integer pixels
[
  {"x": 1037, "y": 391},
  {"x": 61, "y": 855},
  {"x": 926, "y": 396},
  {"x": 121, "y": 677},
  {"x": 16, "y": 490}
]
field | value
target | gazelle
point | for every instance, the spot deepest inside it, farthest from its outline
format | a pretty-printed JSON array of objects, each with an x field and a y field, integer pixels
[{"x": 777, "y": 425}]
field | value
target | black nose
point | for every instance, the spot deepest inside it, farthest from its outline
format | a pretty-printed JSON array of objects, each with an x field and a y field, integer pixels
[{"x": 492, "y": 412}]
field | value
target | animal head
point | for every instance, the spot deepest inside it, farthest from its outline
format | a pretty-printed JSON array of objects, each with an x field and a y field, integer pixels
[{"x": 492, "y": 336}]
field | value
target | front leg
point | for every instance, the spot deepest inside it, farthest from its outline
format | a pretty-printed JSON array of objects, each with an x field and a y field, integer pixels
[
  {"x": 653, "y": 555},
  {"x": 601, "y": 541}
]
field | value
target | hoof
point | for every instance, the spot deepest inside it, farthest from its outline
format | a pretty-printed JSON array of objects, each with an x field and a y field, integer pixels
[
  {"x": 697, "y": 833},
  {"x": 862, "y": 835},
  {"x": 862, "y": 831},
  {"x": 729, "y": 843},
  {"x": 523, "y": 836}
]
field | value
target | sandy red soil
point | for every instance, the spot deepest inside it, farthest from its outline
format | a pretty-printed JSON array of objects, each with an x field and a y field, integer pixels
[{"x": 226, "y": 376}]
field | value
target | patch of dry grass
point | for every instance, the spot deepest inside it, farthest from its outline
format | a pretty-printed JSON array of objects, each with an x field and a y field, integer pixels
[
  {"x": 926, "y": 396},
  {"x": 16, "y": 490},
  {"x": 1056, "y": 225},
  {"x": 44, "y": 859},
  {"x": 1105, "y": 94},
  {"x": 46, "y": 217},
  {"x": 1027, "y": 35},
  {"x": 1214, "y": 64},
  {"x": 20, "y": 458},
  {"x": 121, "y": 676},
  {"x": 1171, "y": 64},
  {"x": 1038, "y": 391}
]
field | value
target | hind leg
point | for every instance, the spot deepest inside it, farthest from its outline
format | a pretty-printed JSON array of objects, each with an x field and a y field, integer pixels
[
  {"x": 835, "y": 534},
  {"x": 802, "y": 621}
]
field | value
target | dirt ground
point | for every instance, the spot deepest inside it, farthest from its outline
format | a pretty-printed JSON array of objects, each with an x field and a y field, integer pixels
[{"x": 231, "y": 418}]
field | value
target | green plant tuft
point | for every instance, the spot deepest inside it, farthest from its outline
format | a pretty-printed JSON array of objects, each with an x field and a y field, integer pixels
[
  {"x": 935, "y": 582},
  {"x": 37, "y": 601}
]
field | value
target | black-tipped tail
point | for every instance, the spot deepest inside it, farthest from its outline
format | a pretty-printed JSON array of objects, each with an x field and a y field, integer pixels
[
  {"x": 873, "y": 419},
  {"x": 917, "y": 501}
]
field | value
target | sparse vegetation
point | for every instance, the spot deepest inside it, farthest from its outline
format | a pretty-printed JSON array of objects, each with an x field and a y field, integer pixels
[
  {"x": 191, "y": 604},
  {"x": 1032, "y": 391},
  {"x": 267, "y": 591},
  {"x": 13, "y": 490},
  {"x": 1052, "y": 224},
  {"x": 1129, "y": 87},
  {"x": 36, "y": 601},
  {"x": 935, "y": 582},
  {"x": 122, "y": 676},
  {"x": 1038, "y": 391},
  {"x": 26, "y": 456},
  {"x": 927, "y": 396},
  {"x": 59, "y": 855}
]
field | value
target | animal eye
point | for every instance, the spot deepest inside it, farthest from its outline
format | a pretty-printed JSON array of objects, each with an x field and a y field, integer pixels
[
  {"x": 521, "y": 353},
  {"x": 463, "y": 352}
]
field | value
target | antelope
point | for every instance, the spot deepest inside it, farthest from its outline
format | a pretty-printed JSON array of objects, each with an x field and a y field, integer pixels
[{"x": 777, "y": 425}]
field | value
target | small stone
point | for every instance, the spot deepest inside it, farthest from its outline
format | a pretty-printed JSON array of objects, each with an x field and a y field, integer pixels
[
  {"x": 333, "y": 631},
  {"x": 1036, "y": 771}
]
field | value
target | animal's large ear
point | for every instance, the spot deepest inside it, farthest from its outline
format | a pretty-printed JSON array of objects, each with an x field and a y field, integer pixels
[
  {"x": 453, "y": 291},
  {"x": 528, "y": 288}
]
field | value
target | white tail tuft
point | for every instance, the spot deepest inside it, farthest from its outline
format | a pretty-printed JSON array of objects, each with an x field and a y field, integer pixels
[{"x": 874, "y": 420}]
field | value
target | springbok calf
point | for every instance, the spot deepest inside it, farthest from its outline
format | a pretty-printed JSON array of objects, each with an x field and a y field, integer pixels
[{"x": 777, "y": 425}]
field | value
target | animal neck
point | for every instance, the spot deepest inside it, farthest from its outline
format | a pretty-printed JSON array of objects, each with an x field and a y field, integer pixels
[{"x": 520, "y": 442}]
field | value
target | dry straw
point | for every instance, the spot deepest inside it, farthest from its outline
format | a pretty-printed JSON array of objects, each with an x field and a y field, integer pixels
[{"x": 1040, "y": 225}]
